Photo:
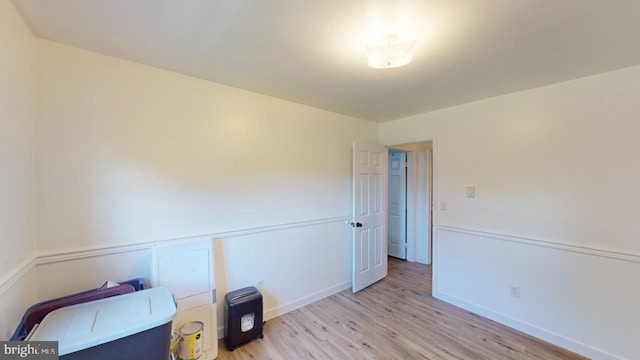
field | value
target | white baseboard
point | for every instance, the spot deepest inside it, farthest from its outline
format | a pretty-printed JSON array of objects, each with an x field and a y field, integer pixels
[
  {"x": 546, "y": 335},
  {"x": 306, "y": 300},
  {"x": 279, "y": 310}
]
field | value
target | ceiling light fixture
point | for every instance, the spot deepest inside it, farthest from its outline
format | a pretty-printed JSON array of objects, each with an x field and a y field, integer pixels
[{"x": 390, "y": 53}]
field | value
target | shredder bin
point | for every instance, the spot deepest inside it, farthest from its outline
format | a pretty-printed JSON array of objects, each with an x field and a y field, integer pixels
[{"x": 125, "y": 327}]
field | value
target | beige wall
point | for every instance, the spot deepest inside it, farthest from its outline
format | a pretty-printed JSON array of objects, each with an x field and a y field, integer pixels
[
  {"x": 17, "y": 161},
  {"x": 556, "y": 207},
  {"x": 563, "y": 156},
  {"x": 130, "y": 153},
  {"x": 17, "y": 115}
]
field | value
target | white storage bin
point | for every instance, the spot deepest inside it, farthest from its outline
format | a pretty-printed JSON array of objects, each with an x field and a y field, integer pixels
[{"x": 131, "y": 326}]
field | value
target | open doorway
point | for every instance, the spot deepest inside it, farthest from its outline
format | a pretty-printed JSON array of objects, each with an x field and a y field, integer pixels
[{"x": 410, "y": 202}]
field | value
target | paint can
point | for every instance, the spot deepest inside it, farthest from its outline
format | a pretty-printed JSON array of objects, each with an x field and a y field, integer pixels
[{"x": 190, "y": 347}]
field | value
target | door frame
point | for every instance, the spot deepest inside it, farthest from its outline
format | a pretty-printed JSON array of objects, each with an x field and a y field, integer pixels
[{"x": 412, "y": 158}]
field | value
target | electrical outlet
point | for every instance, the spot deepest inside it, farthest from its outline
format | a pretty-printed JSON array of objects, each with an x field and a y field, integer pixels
[
  {"x": 260, "y": 284},
  {"x": 443, "y": 205},
  {"x": 514, "y": 291},
  {"x": 471, "y": 192}
]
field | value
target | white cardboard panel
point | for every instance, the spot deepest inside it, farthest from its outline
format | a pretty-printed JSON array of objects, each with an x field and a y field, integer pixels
[{"x": 186, "y": 268}]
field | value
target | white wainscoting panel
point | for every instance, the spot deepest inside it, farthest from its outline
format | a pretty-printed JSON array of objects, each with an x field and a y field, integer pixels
[
  {"x": 16, "y": 295},
  {"x": 298, "y": 263},
  {"x": 583, "y": 299}
]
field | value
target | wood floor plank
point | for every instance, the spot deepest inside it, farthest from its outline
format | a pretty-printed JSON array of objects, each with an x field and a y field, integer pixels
[{"x": 396, "y": 318}]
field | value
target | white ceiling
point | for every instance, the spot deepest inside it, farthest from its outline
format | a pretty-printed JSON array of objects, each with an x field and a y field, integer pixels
[{"x": 312, "y": 51}]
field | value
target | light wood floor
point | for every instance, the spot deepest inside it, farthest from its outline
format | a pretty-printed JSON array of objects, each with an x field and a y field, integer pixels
[{"x": 395, "y": 318}]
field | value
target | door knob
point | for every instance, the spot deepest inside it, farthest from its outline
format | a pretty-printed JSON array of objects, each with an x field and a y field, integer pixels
[{"x": 356, "y": 224}]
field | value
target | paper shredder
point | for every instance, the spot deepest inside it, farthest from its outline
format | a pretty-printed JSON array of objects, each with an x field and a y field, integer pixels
[{"x": 242, "y": 316}]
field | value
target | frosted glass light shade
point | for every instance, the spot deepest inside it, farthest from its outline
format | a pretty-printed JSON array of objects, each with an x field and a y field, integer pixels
[{"x": 390, "y": 53}]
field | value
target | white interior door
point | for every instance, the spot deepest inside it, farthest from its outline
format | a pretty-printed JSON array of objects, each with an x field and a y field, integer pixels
[
  {"x": 397, "y": 204},
  {"x": 369, "y": 214}
]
